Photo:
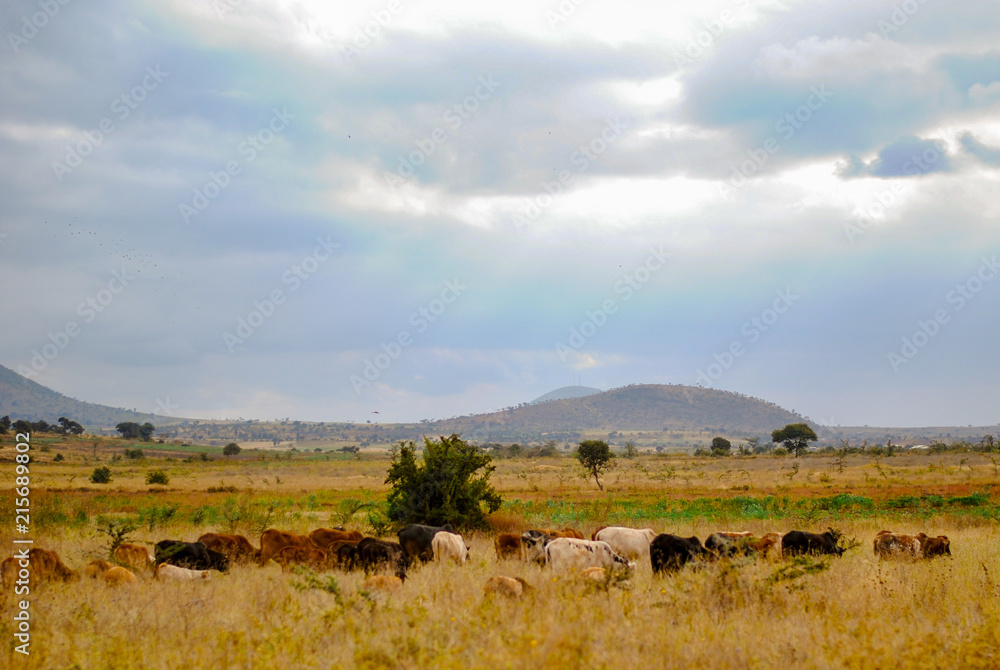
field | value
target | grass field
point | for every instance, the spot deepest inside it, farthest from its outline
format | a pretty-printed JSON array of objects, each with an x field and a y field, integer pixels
[{"x": 852, "y": 611}]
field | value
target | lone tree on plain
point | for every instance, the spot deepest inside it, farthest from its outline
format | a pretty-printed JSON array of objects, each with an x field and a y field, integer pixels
[
  {"x": 595, "y": 456},
  {"x": 445, "y": 488},
  {"x": 721, "y": 446},
  {"x": 795, "y": 436},
  {"x": 231, "y": 449}
]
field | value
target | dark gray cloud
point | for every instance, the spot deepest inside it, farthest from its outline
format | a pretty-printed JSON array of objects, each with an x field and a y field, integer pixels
[{"x": 908, "y": 156}]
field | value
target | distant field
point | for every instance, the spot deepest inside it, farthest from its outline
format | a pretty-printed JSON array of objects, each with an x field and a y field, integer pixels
[{"x": 846, "y": 612}]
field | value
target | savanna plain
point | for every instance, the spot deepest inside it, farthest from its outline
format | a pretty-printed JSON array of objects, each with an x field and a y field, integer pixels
[{"x": 854, "y": 611}]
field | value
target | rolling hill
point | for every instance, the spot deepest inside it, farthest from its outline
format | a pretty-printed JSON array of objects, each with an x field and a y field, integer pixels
[
  {"x": 645, "y": 407},
  {"x": 21, "y": 398}
]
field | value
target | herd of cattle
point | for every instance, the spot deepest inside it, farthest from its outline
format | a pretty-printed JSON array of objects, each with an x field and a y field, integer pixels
[{"x": 609, "y": 549}]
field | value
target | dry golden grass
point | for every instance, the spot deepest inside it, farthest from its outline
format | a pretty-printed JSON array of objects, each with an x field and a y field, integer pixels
[{"x": 858, "y": 613}]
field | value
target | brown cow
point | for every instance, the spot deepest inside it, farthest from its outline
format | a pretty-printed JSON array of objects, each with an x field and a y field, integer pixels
[
  {"x": 507, "y": 545},
  {"x": 290, "y": 555},
  {"x": 734, "y": 534},
  {"x": 593, "y": 536},
  {"x": 118, "y": 575},
  {"x": 936, "y": 546},
  {"x": 764, "y": 545},
  {"x": 511, "y": 587},
  {"x": 889, "y": 545},
  {"x": 565, "y": 532},
  {"x": 383, "y": 583},
  {"x": 272, "y": 541},
  {"x": 324, "y": 537},
  {"x": 96, "y": 568},
  {"x": 42, "y": 565},
  {"x": 236, "y": 547},
  {"x": 133, "y": 556}
]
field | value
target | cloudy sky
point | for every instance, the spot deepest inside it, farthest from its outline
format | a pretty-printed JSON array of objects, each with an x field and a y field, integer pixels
[{"x": 260, "y": 209}]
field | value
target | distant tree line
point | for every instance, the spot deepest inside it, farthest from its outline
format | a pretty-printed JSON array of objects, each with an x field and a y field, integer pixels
[
  {"x": 64, "y": 427},
  {"x": 131, "y": 430}
]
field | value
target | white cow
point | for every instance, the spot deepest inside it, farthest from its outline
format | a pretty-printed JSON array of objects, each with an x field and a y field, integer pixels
[
  {"x": 168, "y": 572},
  {"x": 629, "y": 542},
  {"x": 449, "y": 545},
  {"x": 567, "y": 553}
]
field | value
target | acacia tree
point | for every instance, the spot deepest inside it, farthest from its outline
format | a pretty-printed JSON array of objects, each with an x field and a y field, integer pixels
[
  {"x": 445, "y": 488},
  {"x": 721, "y": 446},
  {"x": 596, "y": 458},
  {"x": 795, "y": 436}
]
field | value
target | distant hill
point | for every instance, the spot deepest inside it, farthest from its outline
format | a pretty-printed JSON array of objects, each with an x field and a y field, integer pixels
[
  {"x": 646, "y": 407},
  {"x": 21, "y": 398},
  {"x": 566, "y": 392}
]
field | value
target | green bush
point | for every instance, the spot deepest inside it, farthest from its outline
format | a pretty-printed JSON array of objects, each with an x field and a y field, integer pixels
[
  {"x": 157, "y": 477},
  {"x": 101, "y": 475},
  {"x": 444, "y": 488},
  {"x": 134, "y": 454}
]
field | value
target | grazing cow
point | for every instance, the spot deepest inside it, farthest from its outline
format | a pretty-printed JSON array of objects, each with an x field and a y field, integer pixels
[
  {"x": 534, "y": 542},
  {"x": 670, "y": 552},
  {"x": 416, "y": 539},
  {"x": 734, "y": 534},
  {"x": 565, "y": 553},
  {"x": 133, "y": 556},
  {"x": 798, "y": 542},
  {"x": 507, "y": 545},
  {"x": 936, "y": 546},
  {"x": 172, "y": 573},
  {"x": 763, "y": 545},
  {"x": 272, "y": 540},
  {"x": 37, "y": 565},
  {"x": 374, "y": 553},
  {"x": 96, "y": 568},
  {"x": 629, "y": 542},
  {"x": 314, "y": 557},
  {"x": 118, "y": 575},
  {"x": 324, "y": 537},
  {"x": 343, "y": 554},
  {"x": 192, "y": 555},
  {"x": 510, "y": 587},
  {"x": 891, "y": 545},
  {"x": 383, "y": 583},
  {"x": 449, "y": 545},
  {"x": 721, "y": 545},
  {"x": 236, "y": 547},
  {"x": 571, "y": 532}
]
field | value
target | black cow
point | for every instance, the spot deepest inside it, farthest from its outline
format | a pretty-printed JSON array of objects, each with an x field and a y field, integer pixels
[
  {"x": 669, "y": 552},
  {"x": 797, "y": 542},
  {"x": 416, "y": 539},
  {"x": 347, "y": 556},
  {"x": 192, "y": 555},
  {"x": 721, "y": 546},
  {"x": 372, "y": 553}
]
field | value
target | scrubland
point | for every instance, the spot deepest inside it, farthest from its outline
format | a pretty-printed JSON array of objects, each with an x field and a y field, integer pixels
[{"x": 853, "y": 611}]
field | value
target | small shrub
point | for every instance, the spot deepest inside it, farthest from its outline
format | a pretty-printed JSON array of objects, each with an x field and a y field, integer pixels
[
  {"x": 231, "y": 449},
  {"x": 59, "y": 458},
  {"x": 134, "y": 454},
  {"x": 157, "y": 477},
  {"x": 101, "y": 475},
  {"x": 780, "y": 451}
]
